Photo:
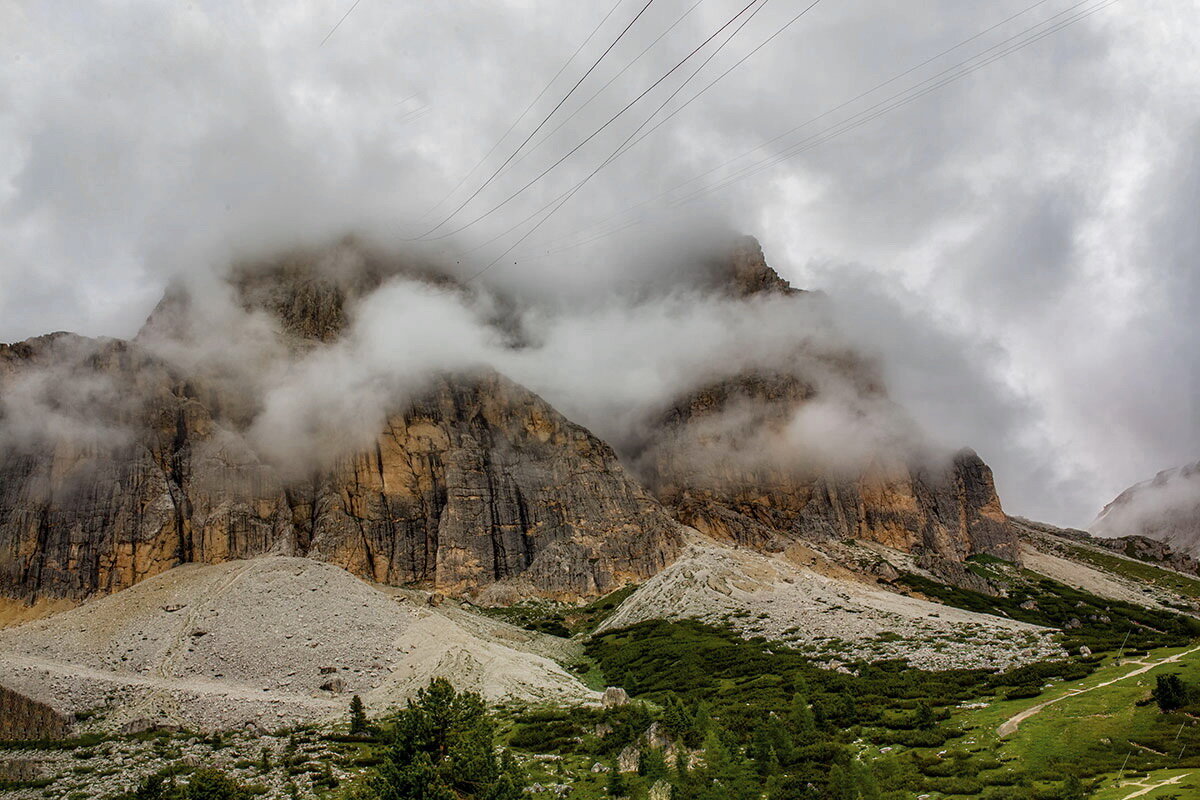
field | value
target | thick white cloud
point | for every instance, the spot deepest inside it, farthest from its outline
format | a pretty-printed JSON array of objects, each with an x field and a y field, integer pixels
[{"x": 1021, "y": 245}]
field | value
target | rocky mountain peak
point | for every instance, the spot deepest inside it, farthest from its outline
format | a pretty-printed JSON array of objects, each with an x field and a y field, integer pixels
[{"x": 751, "y": 275}]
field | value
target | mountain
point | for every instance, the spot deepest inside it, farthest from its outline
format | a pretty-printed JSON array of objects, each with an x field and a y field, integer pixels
[
  {"x": 123, "y": 459},
  {"x": 946, "y": 507},
  {"x": 1165, "y": 509}
]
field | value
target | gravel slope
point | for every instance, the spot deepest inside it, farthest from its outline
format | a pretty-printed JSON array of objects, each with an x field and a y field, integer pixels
[
  {"x": 837, "y": 619},
  {"x": 271, "y": 641}
]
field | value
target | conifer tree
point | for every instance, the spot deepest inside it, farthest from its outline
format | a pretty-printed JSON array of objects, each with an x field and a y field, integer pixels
[
  {"x": 443, "y": 748},
  {"x": 358, "y": 716}
]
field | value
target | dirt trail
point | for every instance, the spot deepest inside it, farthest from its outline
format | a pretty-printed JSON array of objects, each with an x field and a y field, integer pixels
[
  {"x": 1011, "y": 724},
  {"x": 1154, "y": 786}
]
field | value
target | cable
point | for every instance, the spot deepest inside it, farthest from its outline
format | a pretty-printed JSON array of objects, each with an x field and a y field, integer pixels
[
  {"x": 545, "y": 119},
  {"x": 762, "y": 164},
  {"x": 623, "y": 144},
  {"x": 600, "y": 91},
  {"x": 528, "y": 108},
  {"x": 339, "y": 23},
  {"x": 596, "y": 132},
  {"x": 832, "y": 132},
  {"x": 808, "y": 143}
]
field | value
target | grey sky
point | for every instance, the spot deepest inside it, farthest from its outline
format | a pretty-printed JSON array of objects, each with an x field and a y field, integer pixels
[{"x": 1020, "y": 246}]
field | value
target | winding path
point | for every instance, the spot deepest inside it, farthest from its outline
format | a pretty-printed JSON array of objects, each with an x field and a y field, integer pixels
[
  {"x": 1011, "y": 724},
  {"x": 1154, "y": 786}
]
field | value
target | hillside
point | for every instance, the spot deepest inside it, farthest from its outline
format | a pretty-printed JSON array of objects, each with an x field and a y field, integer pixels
[{"x": 269, "y": 642}]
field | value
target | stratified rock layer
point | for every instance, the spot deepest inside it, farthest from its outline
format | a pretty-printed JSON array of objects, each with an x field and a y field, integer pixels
[
  {"x": 477, "y": 482},
  {"x": 944, "y": 507},
  {"x": 119, "y": 460}
]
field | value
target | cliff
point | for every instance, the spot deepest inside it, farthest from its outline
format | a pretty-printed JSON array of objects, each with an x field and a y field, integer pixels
[
  {"x": 477, "y": 482},
  {"x": 728, "y": 460},
  {"x": 119, "y": 460}
]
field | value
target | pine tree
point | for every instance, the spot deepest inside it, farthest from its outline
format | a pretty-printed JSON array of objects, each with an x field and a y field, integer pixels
[
  {"x": 358, "y": 716},
  {"x": 443, "y": 748},
  {"x": 801, "y": 720},
  {"x": 617, "y": 785},
  {"x": 1170, "y": 692},
  {"x": 678, "y": 723}
]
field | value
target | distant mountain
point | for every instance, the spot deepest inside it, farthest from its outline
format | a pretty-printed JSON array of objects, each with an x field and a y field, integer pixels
[{"x": 1165, "y": 508}]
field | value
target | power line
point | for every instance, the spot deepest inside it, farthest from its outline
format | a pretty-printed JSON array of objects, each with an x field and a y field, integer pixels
[
  {"x": 600, "y": 91},
  {"x": 852, "y": 122},
  {"x": 528, "y": 108},
  {"x": 626, "y": 145},
  {"x": 623, "y": 144},
  {"x": 339, "y": 23},
  {"x": 545, "y": 119},
  {"x": 866, "y": 111},
  {"x": 599, "y": 130},
  {"x": 717, "y": 79}
]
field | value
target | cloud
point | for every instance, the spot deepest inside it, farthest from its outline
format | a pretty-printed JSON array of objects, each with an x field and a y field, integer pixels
[{"x": 1032, "y": 223}]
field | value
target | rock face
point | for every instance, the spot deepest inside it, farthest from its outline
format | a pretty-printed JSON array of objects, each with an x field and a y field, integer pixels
[
  {"x": 1165, "y": 508},
  {"x": 477, "y": 483},
  {"x": 23, "y": 719},
  {"x": 942, "y": 507},
  {"x": 119, "y": 460}
]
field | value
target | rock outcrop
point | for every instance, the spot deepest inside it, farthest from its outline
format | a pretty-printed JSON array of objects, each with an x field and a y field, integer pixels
[
  {"x": 23, "y": 719},
  {"x": 119, "y": 459},
  {"x": 725, "y": 459},
  {"x": 477, "y": 482}
]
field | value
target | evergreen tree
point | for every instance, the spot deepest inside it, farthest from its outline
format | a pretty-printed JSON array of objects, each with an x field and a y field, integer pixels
[
  {"x": 652, "y": 765},
  {"x": 358, "y": 716},
  {"x": 678, "y": 723},
  {"x": 1170, "y": 692},
  {"x": 443, "y": 748},
  {"x": 617, "y": 785},
  {"x": 801, "y": 720},
  {"x": 1072, "y": 789},
  {"x": 211, "y": 784}
]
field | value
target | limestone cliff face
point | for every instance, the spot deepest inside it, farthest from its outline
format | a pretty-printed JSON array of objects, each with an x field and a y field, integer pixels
[
  {"x": 119, "y": 460},
  {"x": 724, "y": 460},
  {"x": 476, "y": 483}
]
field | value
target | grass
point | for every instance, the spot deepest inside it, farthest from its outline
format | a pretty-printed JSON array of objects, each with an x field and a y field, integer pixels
[
  {"x": 1086, "y": 619},
  {"x": 1140, "y": 571},
  {"x": 1092, "y": 733},
  {"x": 561, "y": 619},
  {"x": 1189, "y": 786}
]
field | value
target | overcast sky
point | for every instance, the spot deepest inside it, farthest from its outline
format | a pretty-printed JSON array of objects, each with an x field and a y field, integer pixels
[{"x": 1020, "y": 246}]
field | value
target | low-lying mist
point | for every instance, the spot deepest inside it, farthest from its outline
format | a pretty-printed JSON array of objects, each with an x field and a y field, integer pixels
[{"x": 308, "y": 353}]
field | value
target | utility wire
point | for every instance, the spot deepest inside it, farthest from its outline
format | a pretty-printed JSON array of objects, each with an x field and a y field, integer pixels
[
  {"x": 339, "y": 23},
  {"x": 623, "y": 144},
  {"x": 873, "y": 89},
  {"x": 599, "y": 130},
  {"x": 545, "y": 119},
  {"x": 853, "y": 121},
  {"x": 626, "y": 145},
  {"x": 600, "y": 91},
  {"x": 528, "y": 108}
]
